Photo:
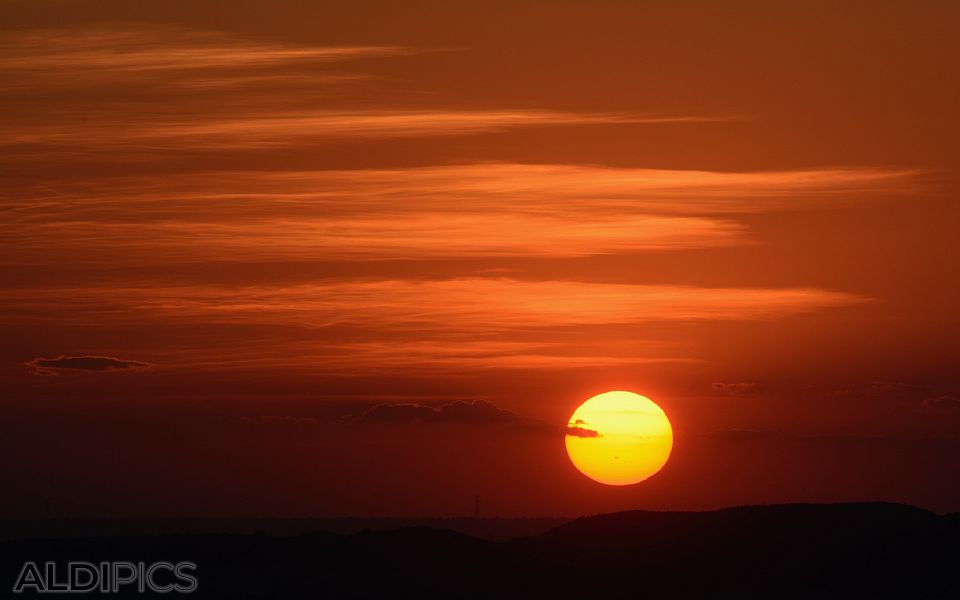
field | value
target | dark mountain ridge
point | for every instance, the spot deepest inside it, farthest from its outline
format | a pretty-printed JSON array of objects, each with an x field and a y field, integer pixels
[
  {"x": 491, "y": 528},
  {"x": 871, "y": 550}
]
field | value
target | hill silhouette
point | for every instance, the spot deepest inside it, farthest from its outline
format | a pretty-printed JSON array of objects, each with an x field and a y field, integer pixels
[
  {"x": 488, "y": 528},
  {"x": 873, "y": 550}
]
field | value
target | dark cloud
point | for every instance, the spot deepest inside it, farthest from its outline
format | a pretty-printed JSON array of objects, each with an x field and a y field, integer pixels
[
  {"x": 469, "y": 412},
  {"x": 942, "y": 403},
  {"x": 735, "y": 389},
  {"x": 459, "y": 412},
  {"x": 582, "y": 431},
  {"x": 86, "y": 364}
]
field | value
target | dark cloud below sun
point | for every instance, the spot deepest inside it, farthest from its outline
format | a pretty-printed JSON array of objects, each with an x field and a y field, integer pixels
[
  {"x": 87, "y": 364},
  {"x": 467, "y": 412}
]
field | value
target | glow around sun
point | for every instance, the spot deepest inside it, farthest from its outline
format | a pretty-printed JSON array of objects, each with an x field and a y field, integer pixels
[{"x": 619, "y": 438}]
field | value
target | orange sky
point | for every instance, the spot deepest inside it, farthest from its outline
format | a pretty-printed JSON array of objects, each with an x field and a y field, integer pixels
[{"x": 282, "y": 258}]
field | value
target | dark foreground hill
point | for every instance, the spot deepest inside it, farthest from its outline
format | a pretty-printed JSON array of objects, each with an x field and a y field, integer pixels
[
  {"x": 487, "y": 528},
  {"x": 782, "y": 551}
]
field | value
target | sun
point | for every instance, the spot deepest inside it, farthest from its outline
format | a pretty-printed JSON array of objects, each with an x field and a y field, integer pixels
[{"x": 619, "y": 438}]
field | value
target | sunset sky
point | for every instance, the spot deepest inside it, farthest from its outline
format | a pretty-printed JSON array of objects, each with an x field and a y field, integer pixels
[{"x": 292, "y": 258}]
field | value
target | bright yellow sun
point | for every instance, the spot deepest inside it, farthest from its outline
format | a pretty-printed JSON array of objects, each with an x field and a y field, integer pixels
[{"x": 619, "y": 438}]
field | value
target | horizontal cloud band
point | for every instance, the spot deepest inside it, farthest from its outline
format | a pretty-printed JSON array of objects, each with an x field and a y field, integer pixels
[
  {"x": 491, "y": 209},
  {"x": 445, "y": 324}
]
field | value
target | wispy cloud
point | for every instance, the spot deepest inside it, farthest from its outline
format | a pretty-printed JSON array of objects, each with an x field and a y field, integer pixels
[
  {"x": 135, "y": 94},
  {"x": 465, "y": 305},
  {"x": 454, "y": 324},
  {"x": 161, "y": 89},
  {"x": 484, "y": 187},
  {"x": 411, "y": 237},
  {"x": 277, "y": 128},
  {"x": 128, "y": 53},
  {"x": 490, "y": 209}
]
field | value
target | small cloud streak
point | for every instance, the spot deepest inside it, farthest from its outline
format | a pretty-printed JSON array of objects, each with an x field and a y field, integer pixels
[
  {"x": 461, "y": 412},
  {"x": 581, "y": 432},
  {"x": 942, "y": 403},
  {"x": 83, "y": 364},
  {"x": 735, "y": 389}
]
